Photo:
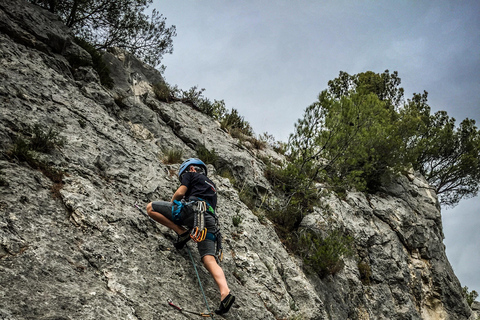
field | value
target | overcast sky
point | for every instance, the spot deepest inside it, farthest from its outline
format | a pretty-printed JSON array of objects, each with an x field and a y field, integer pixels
[{"x": 270, "y": 60}]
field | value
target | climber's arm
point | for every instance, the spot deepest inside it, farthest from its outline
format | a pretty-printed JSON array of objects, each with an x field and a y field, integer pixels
[{"x": 180, "y": 193}]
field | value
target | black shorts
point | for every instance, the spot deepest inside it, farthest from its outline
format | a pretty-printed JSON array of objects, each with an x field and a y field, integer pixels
[{"x": 207, "y": 246}]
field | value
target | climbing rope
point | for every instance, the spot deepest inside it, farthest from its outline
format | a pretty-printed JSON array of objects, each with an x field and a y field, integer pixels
[{"x": 199, "y": 282}]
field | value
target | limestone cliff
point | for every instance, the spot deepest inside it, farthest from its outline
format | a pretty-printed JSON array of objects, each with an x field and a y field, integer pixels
[{"x": 75, "y": 247}]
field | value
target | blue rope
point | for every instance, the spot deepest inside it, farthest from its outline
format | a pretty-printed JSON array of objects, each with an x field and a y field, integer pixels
[{"x": 199, "y": 282}]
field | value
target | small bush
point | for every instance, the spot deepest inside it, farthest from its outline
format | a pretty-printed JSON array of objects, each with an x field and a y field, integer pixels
[
  {"x": 324, "y": 256},
  {"x": 45, "y": 141},
  {"x": 365, "y": 272},
  {"x": 163, "y": 91},
  {"x": 257, "y": 143},
  {"x": 278, "y": 146},
  {"x": 300, "y": 195},
  {"x": 215, "y": 109},
  {"x": 207, "y": 156},
  {"x": 173, "y": 155},
  {"x": 247, "y": 196},
  {"x": 237, "y": 134},
  {"x": 226, "y": 173},
  {"x": 21, "y": 150},
  {"x": 470, "y": 296},
  {"x": 41, "y": 141},
  {"x": 236, "y": 220},
  {"x": 233, "y": 120}
]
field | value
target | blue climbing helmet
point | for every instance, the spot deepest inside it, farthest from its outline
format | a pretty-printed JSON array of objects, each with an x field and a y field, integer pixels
[{"x": 189, "y": 162}]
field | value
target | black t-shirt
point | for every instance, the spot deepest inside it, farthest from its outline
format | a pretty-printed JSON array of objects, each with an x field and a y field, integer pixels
[{"x": 198, "y": 185}]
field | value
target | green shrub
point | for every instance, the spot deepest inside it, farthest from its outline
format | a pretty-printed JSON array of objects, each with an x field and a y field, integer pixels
[
  {"x": 227, "y": 173},
  {"x": 21, "y": 150},
  {"x": 300, "y": 195},
  {"x": 470, "y": 296},
  {"x": 207, "y": 156},
  {"x": 247, "y": 196},
  {"x": 173, "y": 155},
  {"x": 236, "y": 220},
  {"x": 365, "y": 272},
  {"x": 98, "y": 63},
  {"x": 215, "y": 109},
  {"x": 237, "y": 134},
  {"x": 278, "y": 146},
  {"x": 41, "y": 141},
  {"x": 233, "y": 120},
  {"x": 163, "y": 91},
  {"x": 324, "y": 255},
  {"x": 45, "y": 141}
]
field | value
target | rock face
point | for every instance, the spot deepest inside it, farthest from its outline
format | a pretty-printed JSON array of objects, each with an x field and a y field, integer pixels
[{"x": 79, "y": 249}]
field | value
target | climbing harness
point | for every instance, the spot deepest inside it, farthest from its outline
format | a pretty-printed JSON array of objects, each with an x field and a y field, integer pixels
[
  {"x": 199, "y": 231},
  {"x": 202, "y": 314}
]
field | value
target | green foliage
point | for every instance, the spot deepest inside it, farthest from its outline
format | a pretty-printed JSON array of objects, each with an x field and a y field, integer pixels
[
  {"x": 248, "y": 197},
  {"x": 164, "y": 92},
  {"x": 361, "y": 130},
  {"x": 24, "y": 150},
  {"x": 215, "y": 109},
  {"x": 207, "y": 156},
  {"x": 301, "y": 195},
  {"x": 470, "y": 296},
  {"x": 351, "y": 140},
  {"x": 42, "y": 141},
  {"x": 278, "y": 146},
  {"x": 365, "y": 272},
  {"x": 120, "y": 23},
  {"x": 325, "y": 255},
  {"x": 447, "y": 155},
  {"x": 236, "y": 220},
  {"x": 98, "y": 63},
  {"x": 257, "y": 144},
  {"x": 172, "y": 155},
  {"x": 385, "y": 86},
  {"x": 21, "y": 150},
  {"x": 45, "y": 141},
  {"x": 233, "y": 120},
  {"x": 227, "y": 173}
]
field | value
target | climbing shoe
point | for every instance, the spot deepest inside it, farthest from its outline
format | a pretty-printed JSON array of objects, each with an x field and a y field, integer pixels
[
  {"x": 182, "y": 240},
  {"x": 226, "y": 304}
]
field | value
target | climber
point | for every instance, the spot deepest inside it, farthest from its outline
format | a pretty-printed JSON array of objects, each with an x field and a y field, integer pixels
[{"x": 181, "y": 213}]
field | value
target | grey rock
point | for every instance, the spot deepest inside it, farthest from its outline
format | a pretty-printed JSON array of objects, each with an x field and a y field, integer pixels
[{"x": 79, "y": 249}]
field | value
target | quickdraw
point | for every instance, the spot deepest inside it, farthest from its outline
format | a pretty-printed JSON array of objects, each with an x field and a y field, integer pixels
[{"x": 199, "y": 231}]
